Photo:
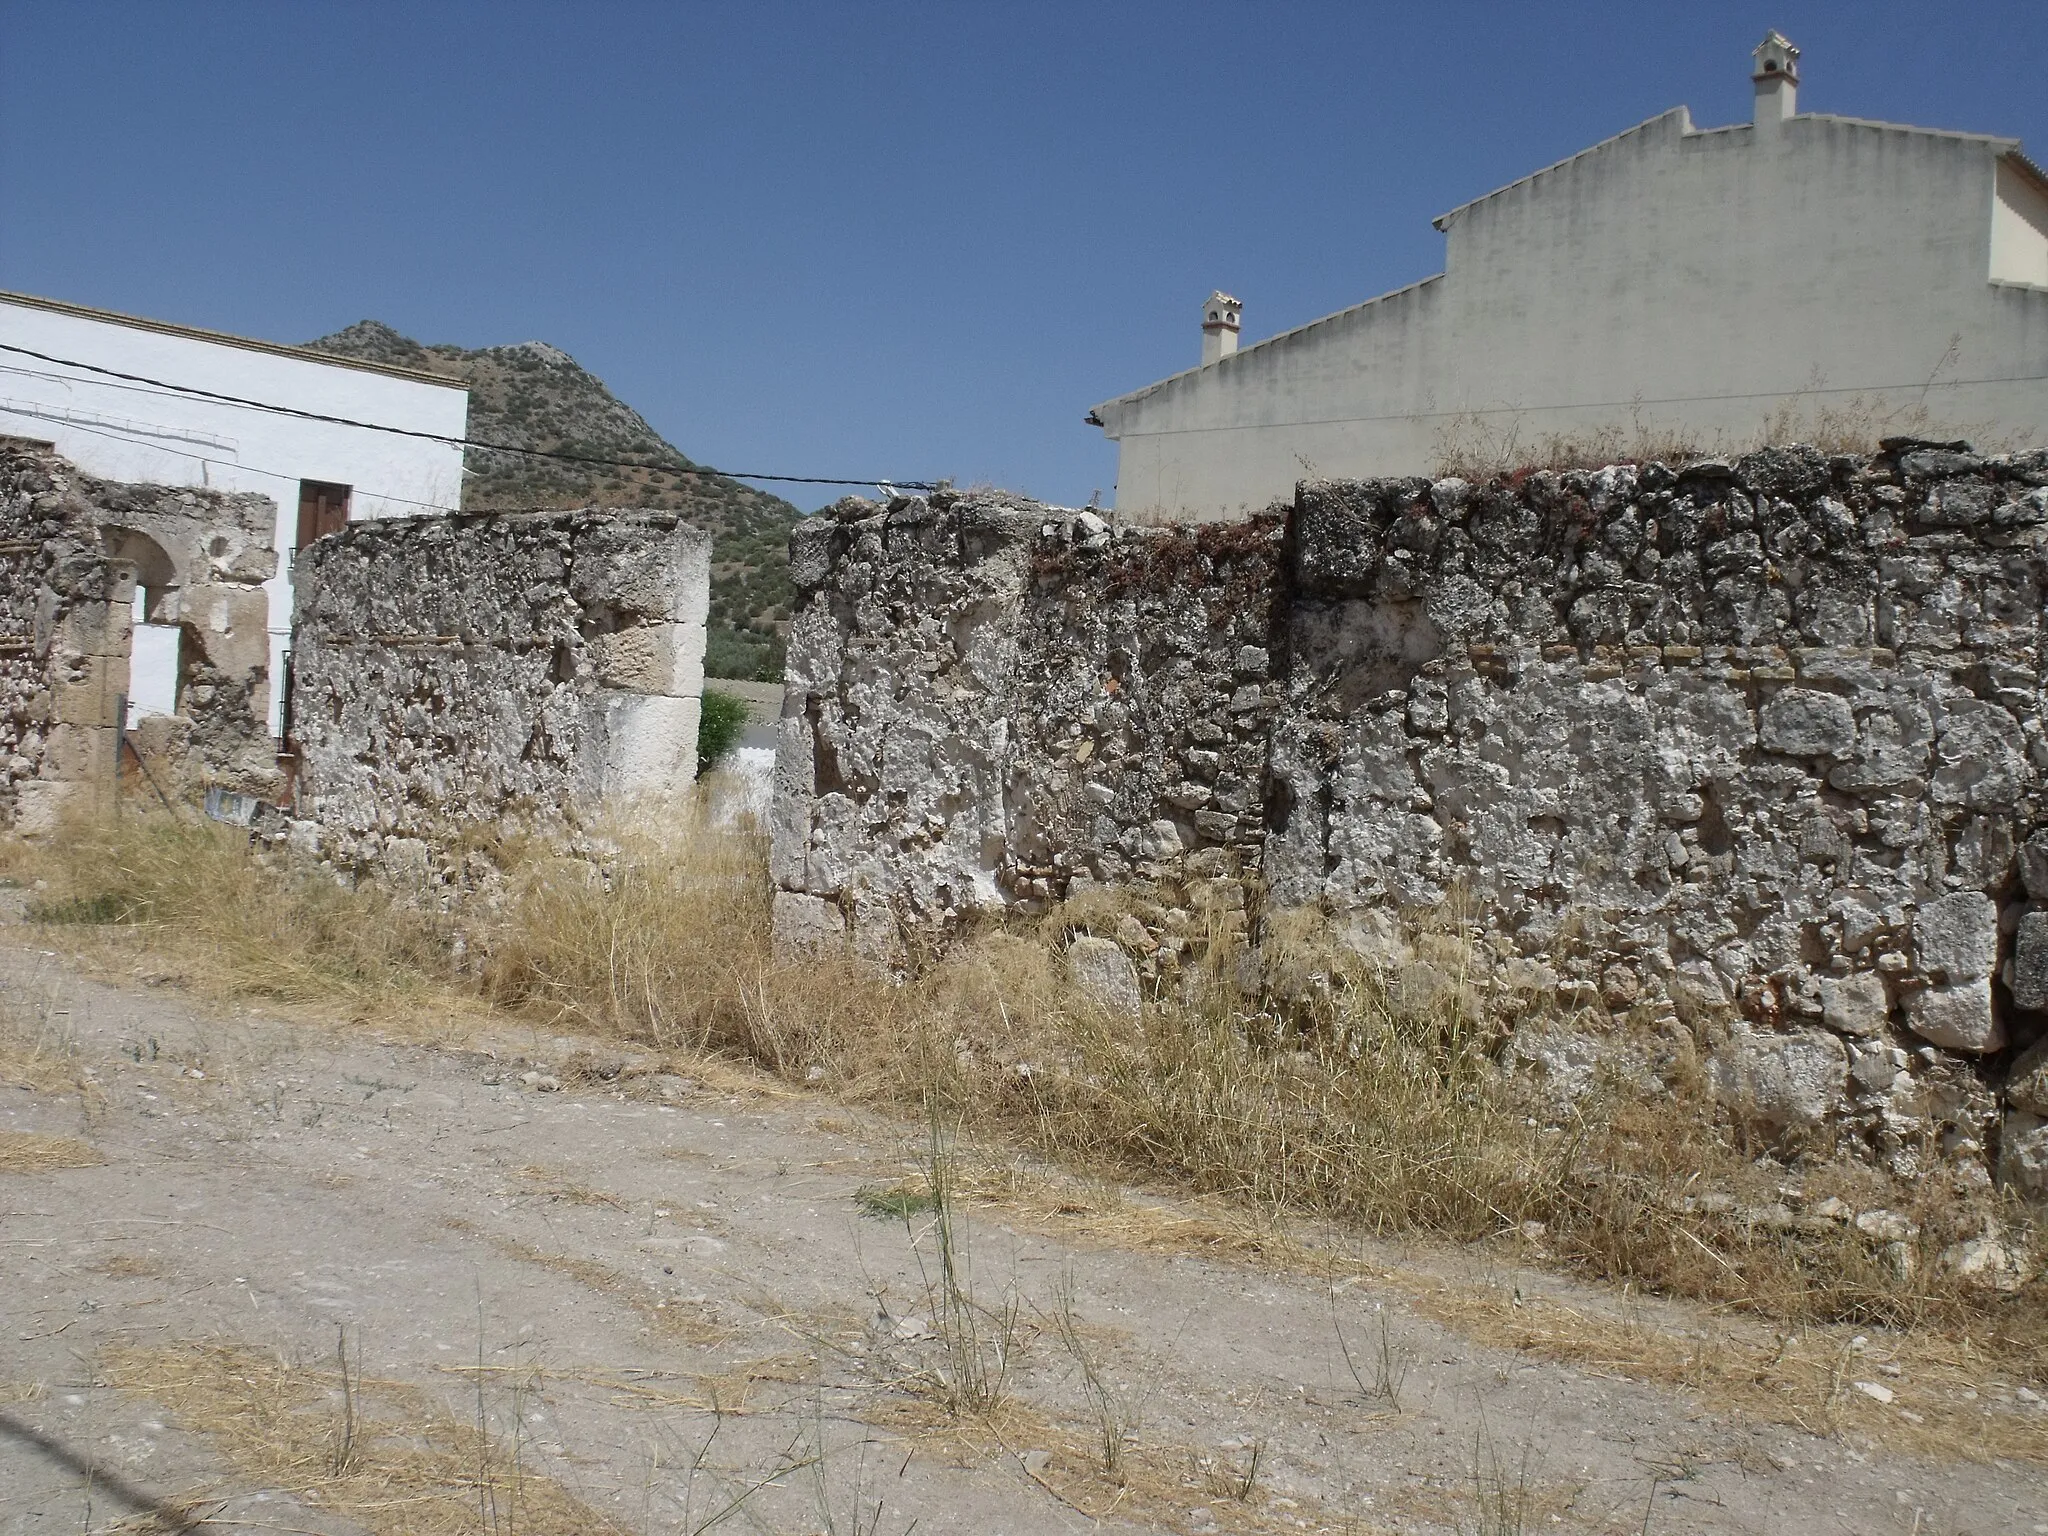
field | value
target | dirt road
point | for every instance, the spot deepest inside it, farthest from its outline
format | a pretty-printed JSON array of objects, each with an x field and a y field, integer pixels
[{"x": 276, "y": 1276}]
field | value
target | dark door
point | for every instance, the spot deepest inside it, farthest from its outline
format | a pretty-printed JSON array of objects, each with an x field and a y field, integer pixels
[{"x": 323, "y": 509}]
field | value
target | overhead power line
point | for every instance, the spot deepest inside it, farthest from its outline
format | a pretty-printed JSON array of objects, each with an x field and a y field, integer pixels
[{"x": 471, "y": 442}]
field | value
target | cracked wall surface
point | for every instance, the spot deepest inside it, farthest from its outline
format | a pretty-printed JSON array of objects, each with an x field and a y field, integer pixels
[
  {"x": 1758, "y": 743},
  {"x": 459, "y": 677}
]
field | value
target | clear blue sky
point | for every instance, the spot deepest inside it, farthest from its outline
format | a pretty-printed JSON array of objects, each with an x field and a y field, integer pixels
[{"x": 907, "y": 240}]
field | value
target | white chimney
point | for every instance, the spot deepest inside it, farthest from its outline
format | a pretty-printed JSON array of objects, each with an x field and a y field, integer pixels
[
  {"x": 1219, "y": 326},
  {"x": 1777, "y": 80}
]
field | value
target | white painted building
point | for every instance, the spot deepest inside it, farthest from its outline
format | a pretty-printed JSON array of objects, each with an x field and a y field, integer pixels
[
  {"x": 1787, "y": 273},
  {"x": 318, "y": 472}
]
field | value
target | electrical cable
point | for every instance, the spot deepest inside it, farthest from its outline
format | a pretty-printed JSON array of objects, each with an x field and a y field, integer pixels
[
  {"x": 16, "y": 409},
  {"x": 685, "y": 468}
]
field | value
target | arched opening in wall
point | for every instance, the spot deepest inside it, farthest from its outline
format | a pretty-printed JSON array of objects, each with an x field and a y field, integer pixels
[{"x": 154, "y": 642}]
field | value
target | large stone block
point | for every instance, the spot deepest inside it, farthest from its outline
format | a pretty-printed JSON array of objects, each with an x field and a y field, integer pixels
[
  {"x": 806, "y": 925},
  {"x": 1854, "y": 1005},
  {"x": 652, "y": 658},
  {"x": 2026, "y": 1086},
  {"x": 650, "y": 744},
  {"x": 232, "y": 626},
  {"x": 2023, "y": 1154},
  {"x": 1958, "y": 1017},
  {"x": 2030, "y": 961},
  {"x": 1956, "y": 936},
  {"x": 1101, "y": 969},
  {"x": 2034, "y": 865},
  {"x": 87, "y": 692},
  {"x": 1802, "y": 722},
  {"x": 42, "y": 805},
  {"x": 1782, "y": 1082}
]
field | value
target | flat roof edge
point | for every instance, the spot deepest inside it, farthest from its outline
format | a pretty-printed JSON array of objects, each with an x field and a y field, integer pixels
[{"x": 223, "y": 338}]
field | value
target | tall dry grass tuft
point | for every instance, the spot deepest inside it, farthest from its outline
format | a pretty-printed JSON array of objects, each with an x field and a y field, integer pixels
[
  {"x": 250, "y": 925},
  {"x": 643, "y": 939}
]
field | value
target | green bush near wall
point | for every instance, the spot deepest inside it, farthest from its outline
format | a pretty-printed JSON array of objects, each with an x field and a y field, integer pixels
[{"x": 719, "y": 727}]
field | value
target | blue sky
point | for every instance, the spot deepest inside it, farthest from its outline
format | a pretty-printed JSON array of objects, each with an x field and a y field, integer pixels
[{"x": 874, "y": 239}]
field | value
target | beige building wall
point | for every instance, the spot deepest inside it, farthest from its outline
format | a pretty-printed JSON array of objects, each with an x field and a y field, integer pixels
[{"x": 1717, "y": 286}]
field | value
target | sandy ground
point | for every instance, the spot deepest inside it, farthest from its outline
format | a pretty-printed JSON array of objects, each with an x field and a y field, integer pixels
[{"x": 661, "y": 1295}]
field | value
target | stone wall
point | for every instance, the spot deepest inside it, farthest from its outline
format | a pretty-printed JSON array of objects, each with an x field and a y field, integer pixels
[
  {"x": 63, "y": 644},
  {"x": 990, "y": 706},
  {"x": 458, "y": 676},
  {"x": 202, "y": 558},
  {"x": 73, "y": 551},
  {"x": 1753, "y": 747}
]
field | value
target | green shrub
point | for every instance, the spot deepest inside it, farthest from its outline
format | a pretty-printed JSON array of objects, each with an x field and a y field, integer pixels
[{"x": 720, "y": 727}]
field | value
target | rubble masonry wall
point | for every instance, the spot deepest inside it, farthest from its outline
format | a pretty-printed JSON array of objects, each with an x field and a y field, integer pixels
[
  {"x": 1758, "y": 742},
  {"x": 72, "y": 549},
  {"x": 457, "y": 676}
]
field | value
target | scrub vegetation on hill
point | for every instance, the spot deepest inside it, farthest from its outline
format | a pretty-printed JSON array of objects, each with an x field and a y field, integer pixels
[{"x": 532, "y": 395}]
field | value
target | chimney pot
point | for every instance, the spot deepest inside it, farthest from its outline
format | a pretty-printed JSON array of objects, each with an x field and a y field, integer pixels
[
  {"x": 1220, "y": 314},
  {"x": 1777, "y": 80}
]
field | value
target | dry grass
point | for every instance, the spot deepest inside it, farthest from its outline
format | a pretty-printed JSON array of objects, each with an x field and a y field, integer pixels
[
  {"x": 24, "y": 1152},
  {"x": 1737, "y": 1360},
  {"x": 195, "y": 892},
  {"x": 382, "y": 1454},
  {"x": 550, "y": 1184},
  {"x": 37, "y": 1051},
  {"x": 129, "y": 1266},
  {"x": 1346, "y": 1105}
]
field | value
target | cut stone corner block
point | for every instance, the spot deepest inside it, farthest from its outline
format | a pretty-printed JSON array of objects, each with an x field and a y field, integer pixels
[
  {"x": 650, "y": 745},
  {"x": 664, "y": 658},
  {"x": 667, "y": 578}
]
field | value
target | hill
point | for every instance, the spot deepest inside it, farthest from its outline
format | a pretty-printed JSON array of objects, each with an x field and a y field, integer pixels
[{"x": 532, "y": 395}]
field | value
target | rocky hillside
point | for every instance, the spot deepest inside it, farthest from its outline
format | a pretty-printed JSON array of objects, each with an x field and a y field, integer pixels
[{"x": 533, "y": 395}]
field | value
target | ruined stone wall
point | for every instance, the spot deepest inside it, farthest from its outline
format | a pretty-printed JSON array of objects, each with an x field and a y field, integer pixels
[
  {"x": 63, "y": 644},
  {"x": 458, "y": 676},
  {"x": 990, "y": 707},
  {"x": 73, "y": 550},
  {"x": 1757, "y": 744},
  {"x": 202, "y": 558}
]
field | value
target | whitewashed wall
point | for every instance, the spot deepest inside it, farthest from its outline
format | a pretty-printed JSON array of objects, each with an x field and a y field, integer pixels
[
  {"x": 1703, "y": 280},
  {"x": 124, "y": 431}
]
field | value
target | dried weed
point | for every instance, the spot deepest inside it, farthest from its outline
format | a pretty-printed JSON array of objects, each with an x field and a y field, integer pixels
[
  {"x": 25, "y": 1152},
  {"x": 1330, "y": 1097},
  {"x": 37, "y": 1049},
  {"x": 410, "y": 1468}
]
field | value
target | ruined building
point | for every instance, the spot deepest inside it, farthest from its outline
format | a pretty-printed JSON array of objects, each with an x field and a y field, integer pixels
[
  {"x": 151, "y": 402},
  {"x": 1675, "y": 282},
  {"x": 80, "y": 559},
  {"x": 455, "y": 675}
]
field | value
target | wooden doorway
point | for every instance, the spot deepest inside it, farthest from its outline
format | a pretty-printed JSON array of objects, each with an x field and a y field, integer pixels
[{"x": 323, "y": 509}]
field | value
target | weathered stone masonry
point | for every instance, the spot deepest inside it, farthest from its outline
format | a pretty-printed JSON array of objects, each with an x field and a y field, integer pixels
[
  {"x": 491, "y": 671},
  {"x": 1760, "y": 742},
  {"x": 73, "y": 551}
]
